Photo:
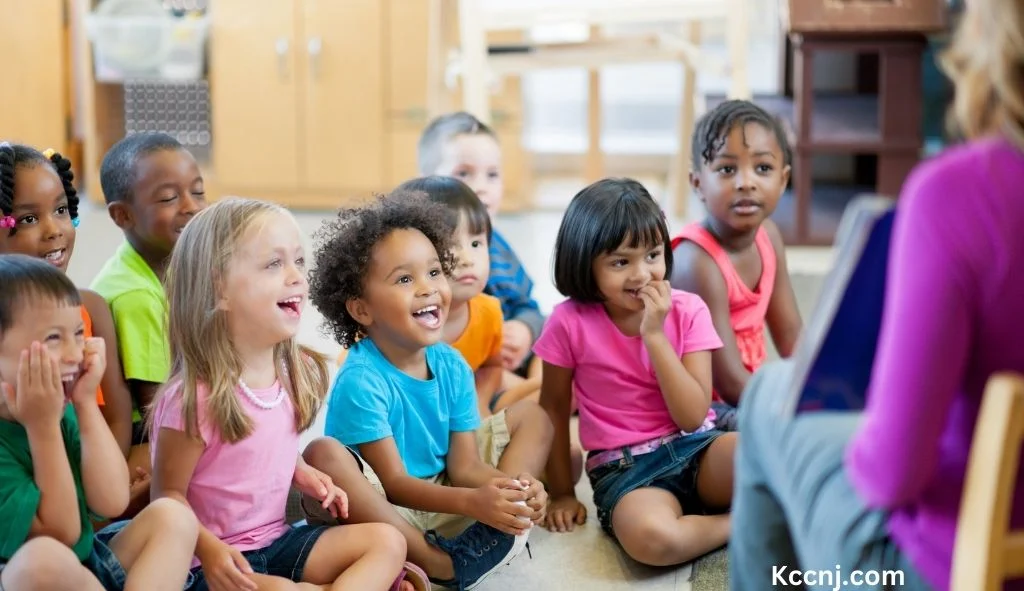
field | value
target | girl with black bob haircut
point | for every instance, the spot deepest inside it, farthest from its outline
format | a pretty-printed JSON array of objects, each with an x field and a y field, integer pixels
[{"x": 637, "y": 356}]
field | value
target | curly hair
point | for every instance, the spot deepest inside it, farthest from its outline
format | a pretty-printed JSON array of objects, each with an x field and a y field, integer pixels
[
  {"x": 711, "y": 130},
  {"x": 345, "y": 244},
  {"x": 14, "y": 156}
]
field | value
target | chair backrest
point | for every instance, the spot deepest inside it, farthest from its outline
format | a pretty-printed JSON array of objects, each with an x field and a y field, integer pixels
[{"x": 986, "y": 551}]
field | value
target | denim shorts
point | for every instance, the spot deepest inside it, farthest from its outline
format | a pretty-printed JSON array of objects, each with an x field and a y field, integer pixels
[
  {"x": 285, "y": 557},
  {"x": 672, "y": 467}
]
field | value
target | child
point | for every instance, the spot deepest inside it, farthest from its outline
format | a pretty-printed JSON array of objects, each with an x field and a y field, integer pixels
[
  {"x": 460, "y": 146},
  {"x": 59, "y": 463},
  {"x": 474, "y": 324},
  {"x": 735, "y": 259},
  {"x": 225, "y": 430},
  {"x": 655, "y": 460},
  {"x": 406, "y": 400},
  {"x": 39, "y": 217},
  {"x": 153, "y": 187}
]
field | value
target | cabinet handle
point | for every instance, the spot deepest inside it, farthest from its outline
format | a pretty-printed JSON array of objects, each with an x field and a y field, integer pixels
[
  {"x": 313, "y": 47},
  {"x": 281, "y": 47}
]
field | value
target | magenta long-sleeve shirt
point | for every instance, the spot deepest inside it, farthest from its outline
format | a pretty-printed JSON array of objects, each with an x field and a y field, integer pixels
[{"x": 954, "y": 315}]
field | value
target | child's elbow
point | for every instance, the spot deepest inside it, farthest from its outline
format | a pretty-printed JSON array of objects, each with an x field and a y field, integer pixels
[{"x": 110, "y": 503}]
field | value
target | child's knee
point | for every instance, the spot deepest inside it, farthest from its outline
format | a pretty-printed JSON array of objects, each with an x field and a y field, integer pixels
[
  {"x": 529, "y": 413},
  {"x": 325, "y": 453},
  {"x": 171, "y": 518},
  {"x": 386, "y": 538},
  {"x": 649, "y": 541},
  {"x": 42, "y": 563}
]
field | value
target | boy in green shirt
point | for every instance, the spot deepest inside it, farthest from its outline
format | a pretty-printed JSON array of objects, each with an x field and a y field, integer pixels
[
  {"x": 60, "y": 466},
  {"x": 153, "y": 187}
]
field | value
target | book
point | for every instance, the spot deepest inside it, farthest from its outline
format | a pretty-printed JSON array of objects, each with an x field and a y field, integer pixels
[{"x": 833, "y": 360}]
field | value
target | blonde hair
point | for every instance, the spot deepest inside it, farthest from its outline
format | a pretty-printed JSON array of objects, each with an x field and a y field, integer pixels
[
  {"x": 201, "y": 346},
  {"x": 986, "y": 63}
]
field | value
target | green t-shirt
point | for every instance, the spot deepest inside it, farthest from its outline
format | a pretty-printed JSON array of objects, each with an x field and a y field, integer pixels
[
  {"x": 19, "y": 495},
  {"x": 138, "y": 304}
]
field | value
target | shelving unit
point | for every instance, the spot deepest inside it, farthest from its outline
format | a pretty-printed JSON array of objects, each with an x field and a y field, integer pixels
[{"x": 886, "y": 126}]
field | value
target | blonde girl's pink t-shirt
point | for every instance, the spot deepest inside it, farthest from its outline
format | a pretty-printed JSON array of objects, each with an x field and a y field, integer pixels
[
  {"x": 617, "y": 391},
  {"x": 239, "y": 490}
]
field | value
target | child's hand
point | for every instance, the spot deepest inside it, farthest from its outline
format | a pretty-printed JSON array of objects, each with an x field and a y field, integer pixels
[
  {"x": 224, "y": 568},
  {"x": 38, "y": 398},
  {"x": 496, "y": 504},
  {"x": 308, "y": 480},
  {"x": 516, "y": 340},
  {"x": 657, "y": 298},
  {"x": 536, "y": 496},
  {"x": 564, "y": 514},
  {"x": 94, "y": 364},
  {"x": 138, "y": 483}
]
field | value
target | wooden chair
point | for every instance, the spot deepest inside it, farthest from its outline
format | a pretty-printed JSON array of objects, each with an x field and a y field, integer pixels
[
  {"x": 477, "y": 66},
  {"x": 987, "y": 552}
]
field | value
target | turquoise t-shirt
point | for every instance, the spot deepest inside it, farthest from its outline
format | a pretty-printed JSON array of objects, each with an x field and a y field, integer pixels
[
  {"x": 19, "y": 496},
  {"x": 372, "y": 399}
]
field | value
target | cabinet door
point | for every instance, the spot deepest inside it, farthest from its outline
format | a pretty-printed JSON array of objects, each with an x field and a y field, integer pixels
[
  {"x": 34, "y": 107},
  {"x": 254, "y": 95},
  {"x": 343, "y": 118}
]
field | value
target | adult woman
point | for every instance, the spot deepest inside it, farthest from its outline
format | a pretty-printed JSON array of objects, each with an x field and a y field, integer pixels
[{"x": 881, "y": 490}]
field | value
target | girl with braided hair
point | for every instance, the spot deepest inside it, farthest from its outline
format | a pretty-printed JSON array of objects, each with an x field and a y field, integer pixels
[
  {"x": 735, "y": 258},
  {"x": 38, "y": 217}
]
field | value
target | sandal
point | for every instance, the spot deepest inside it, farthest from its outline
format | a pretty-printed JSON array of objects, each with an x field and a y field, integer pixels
[{"x": 413, "y": 574}]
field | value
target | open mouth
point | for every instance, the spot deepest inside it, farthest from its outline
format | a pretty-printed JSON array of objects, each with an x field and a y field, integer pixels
[
  {"x": 291, "y": 307},
  {"x": 747, "y": 207},
  {"x": 429, "y": 316},
  {"x": 634, "y": 293},
  {"x": 56, "y": 257},
  {"x": 67, "y": 381}
]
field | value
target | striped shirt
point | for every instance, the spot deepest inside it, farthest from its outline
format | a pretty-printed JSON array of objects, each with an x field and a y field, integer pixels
[{"x": 512, "y": 286}]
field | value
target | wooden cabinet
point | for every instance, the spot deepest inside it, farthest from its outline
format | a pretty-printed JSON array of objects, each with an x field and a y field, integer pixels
[
  {"x": 34, "y": 105},
  {"x": 313, "y": 103},
  {"x": 297, "y": 100}
]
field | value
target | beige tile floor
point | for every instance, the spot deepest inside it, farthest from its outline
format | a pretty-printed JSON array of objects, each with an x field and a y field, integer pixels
[{"x": 585, "y": 559}]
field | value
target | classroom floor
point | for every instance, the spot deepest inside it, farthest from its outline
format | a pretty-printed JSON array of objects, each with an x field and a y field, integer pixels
[{"x": 585, "y": 559}]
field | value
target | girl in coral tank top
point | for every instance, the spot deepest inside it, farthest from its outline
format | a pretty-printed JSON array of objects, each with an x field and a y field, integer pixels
[{"x": 734, "y": 258}]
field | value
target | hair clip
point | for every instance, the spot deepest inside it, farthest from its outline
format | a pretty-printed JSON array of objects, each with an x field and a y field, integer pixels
[
  {"x": 8, "y": 221},
  {"x": 76, "y": 221},
  {"x": 49, "y": 152}
]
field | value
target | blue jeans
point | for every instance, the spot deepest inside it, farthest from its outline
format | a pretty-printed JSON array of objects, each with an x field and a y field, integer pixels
[
  {"x": 794, "y": 510},
  {"x": 672, "y": 467},
  {"x": 285, "y": 557}
]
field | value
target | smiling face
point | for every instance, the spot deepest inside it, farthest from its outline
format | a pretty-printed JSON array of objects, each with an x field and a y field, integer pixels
[
  {"x": 44, "y": 228},
  {"x": 621, "y": 273},
  {"x": 473, "y": 263},
  {"x": 57, "y": 326},
  {"x": 265, "y": 288},
  {"x": 167, "y": 192},
  {"x": 742, "y": 184},
  {"x": 406, "y": 295}
]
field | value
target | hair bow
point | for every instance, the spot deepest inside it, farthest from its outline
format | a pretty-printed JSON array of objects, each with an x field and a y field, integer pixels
[{"x": 8, "y": 221}]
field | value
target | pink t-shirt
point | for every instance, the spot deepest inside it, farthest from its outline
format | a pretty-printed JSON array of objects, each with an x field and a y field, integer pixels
[
  {"x": 617, "y": 390},
  {"x": 239, "y": 490}
]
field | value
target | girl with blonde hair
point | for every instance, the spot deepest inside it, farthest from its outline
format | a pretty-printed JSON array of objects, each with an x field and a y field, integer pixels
[
  {"x": 225, "y": 429},
  {"x": 873, "y": 497}
]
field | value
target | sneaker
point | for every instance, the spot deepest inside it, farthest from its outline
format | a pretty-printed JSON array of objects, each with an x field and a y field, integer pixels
[{"x": 476, "y": 553}]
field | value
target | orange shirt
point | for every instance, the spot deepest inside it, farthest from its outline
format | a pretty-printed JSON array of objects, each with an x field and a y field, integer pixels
[
  {"x": 88, "y": 333},
  {"x": 482, "y": 338}
]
